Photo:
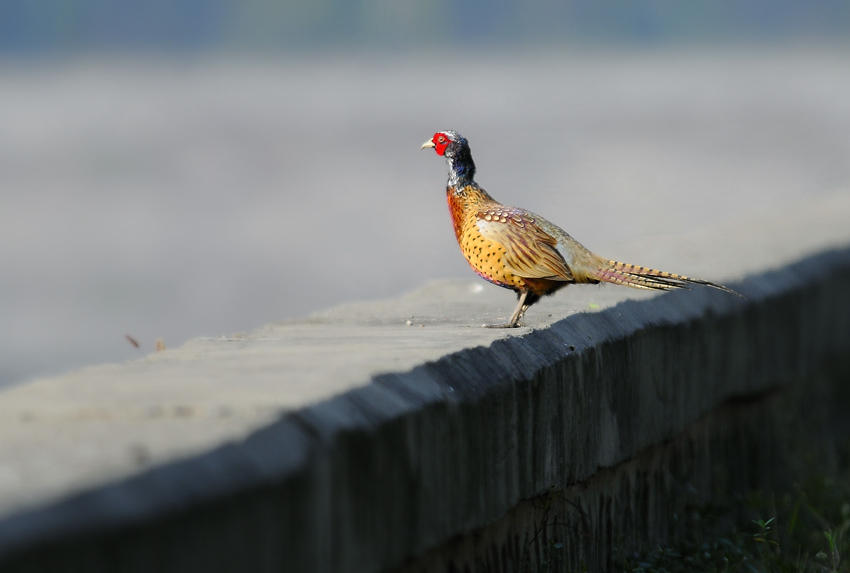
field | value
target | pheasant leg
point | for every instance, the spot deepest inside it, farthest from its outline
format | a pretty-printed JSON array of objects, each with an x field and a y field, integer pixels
[{"x": 514, "y": 322}]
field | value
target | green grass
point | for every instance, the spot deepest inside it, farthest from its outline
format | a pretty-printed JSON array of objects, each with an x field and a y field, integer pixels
[{"x": 801, "y": 530}]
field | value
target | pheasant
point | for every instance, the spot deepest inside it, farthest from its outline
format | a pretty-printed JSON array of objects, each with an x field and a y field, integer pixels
[{"x": 518, "y": 250}]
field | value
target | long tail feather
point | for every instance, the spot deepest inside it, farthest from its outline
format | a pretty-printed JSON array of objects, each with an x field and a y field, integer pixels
[{"x": 642, "y": 277}]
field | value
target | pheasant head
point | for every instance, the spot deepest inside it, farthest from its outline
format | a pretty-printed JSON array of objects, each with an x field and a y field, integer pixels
[{"x": 455, "y": 148}]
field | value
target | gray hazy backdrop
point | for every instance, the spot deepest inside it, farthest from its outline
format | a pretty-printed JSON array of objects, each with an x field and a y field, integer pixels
[
  {"x": 179, "y": 198},
  {"x": 185, "y": 168}
]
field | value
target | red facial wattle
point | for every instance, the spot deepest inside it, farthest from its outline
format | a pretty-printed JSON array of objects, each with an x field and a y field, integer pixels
[{"x": 440, "y": 141}]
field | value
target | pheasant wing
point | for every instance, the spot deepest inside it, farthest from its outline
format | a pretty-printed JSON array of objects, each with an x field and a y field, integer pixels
[{"x": 530, "y": 252}]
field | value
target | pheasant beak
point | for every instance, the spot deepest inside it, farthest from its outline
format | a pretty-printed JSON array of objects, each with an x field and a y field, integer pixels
[{"x": 429, "y": 143}]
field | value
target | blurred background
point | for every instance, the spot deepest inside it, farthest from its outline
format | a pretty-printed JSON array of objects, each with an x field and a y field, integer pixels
[{"x": 183, "y": 168}]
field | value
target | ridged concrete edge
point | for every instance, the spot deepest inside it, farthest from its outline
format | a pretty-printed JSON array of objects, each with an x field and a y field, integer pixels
[{"x": 373, "y": 477}]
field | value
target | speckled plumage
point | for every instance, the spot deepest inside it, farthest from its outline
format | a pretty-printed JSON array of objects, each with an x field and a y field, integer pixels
[{"x": 516, "y": 249}]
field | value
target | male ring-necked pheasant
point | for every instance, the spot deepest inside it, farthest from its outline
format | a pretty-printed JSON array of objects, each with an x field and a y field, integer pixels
[{"x": 516, "y": 249}]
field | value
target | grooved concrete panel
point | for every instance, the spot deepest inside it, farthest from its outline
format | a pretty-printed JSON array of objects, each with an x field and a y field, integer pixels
[{"x": 351, "y": 441}]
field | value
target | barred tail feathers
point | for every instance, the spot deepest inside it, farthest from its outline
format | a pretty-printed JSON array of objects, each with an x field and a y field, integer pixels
[{"x": 645, "y": 278}]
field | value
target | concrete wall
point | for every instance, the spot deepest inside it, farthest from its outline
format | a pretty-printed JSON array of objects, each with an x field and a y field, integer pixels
[{"x": 354, "y": 442}]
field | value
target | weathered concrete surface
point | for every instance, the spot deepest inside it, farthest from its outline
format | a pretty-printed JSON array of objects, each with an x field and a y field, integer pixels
[
  {"x": 760, "y": 442},
  {"x": 351, "y": 441}
]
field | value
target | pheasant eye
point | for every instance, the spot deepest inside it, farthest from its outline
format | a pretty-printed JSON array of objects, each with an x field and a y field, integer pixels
[{"x": 441, "y": 139}]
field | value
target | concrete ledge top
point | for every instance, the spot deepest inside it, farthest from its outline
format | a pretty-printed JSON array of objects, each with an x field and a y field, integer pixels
[{"x": 76, "y": 432}]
